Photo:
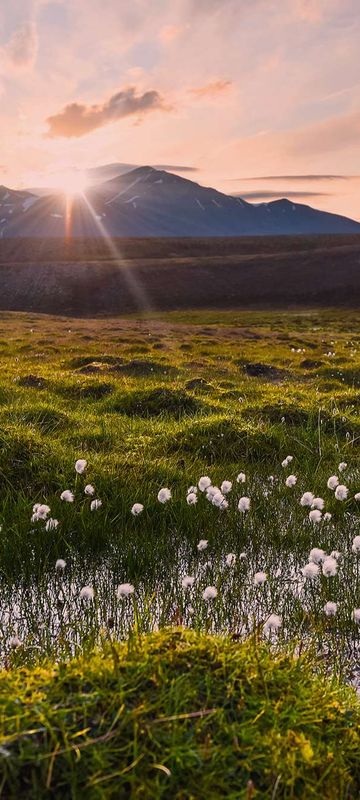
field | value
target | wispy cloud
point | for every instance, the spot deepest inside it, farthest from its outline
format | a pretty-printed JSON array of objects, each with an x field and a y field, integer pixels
[
  {"x": 21, "y": 49},
  {"x": 78, "y": 119},
  {"x": 211, "y": 89},
  {"x": 268, "y": 195},
  {"x": 273, "y": 178}
]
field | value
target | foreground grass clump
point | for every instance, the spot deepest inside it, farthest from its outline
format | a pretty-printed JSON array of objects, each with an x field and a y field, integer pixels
[{"x": 178, "y": 715}]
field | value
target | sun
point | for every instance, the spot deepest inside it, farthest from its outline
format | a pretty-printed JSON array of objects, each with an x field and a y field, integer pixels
[{"x": 71, "y": 183}]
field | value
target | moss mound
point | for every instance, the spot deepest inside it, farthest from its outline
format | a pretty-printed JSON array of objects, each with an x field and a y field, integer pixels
[
  {"x": 157, "y": 402},
  {"x": 181, "y": 715},
  {"x": 218, "y": 439}
]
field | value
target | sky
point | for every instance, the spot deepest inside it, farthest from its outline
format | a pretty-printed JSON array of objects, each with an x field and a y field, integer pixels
[{"x": 259, "y": 98}]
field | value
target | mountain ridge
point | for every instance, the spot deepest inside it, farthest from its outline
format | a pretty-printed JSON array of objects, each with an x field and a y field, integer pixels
[{"x": 148, "y": 202}]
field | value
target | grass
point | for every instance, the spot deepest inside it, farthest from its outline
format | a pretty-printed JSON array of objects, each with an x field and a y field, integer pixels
[
  {"x": 158, "y": 402},
  {"x": 182, "y": 715}
]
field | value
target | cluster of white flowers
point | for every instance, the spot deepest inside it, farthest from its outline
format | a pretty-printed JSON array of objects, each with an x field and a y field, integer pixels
[
  {"x": 285, "y": 463},
  {"x": 40, "y": 512}
]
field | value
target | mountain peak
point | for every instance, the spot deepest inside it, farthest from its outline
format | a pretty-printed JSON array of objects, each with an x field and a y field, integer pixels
[{"x": 147, "y": 201}]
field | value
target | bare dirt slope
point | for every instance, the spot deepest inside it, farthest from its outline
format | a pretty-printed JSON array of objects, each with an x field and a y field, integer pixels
[{"x": 89, "y": 277}]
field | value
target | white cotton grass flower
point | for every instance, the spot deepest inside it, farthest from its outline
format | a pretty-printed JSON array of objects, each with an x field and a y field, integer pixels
[
  {"x": 317, "y": 555},
  {"x": 242, "y": 556},
  {"x": 191, "y": 499},
  {"x": 192, "y": 490},
  {"x": 204, "y": 483},
  {"x": 40, "y": 512},
  {"x": 137, "y": 509},
  {"x": 230, "y": 560},
  {"x": 273, "y": 624},
  {"x": 241, "y": 478},
  {"x": 80, "y": 466},
  {"x": 356, "y": 544},
  {"x": 210, "y": 491},
  {"x": 260, "y": 578},
  {"x": 329, "y": 567},
  {"x": 290, "y": 481},
  {"x": 226, "y": 487},
  {"x": 164, "y": 495},
  {"x": 330, "y": 608},
  {"x": 244, "y": 504},
  {"x": 315, "y": 515},
  {"x": 89, "y": 489},
  {"x": 67, "y": 496},
  {"x": 318, "y": 503},
  {"x": 187, "y": 582},
  {"x": 124, "y": 590},
  {"x": 311, "y": 570},
  {"x": 327, "y": 516},
  {"x": 341, "y": 492},
  {"x": 87, "y": 593},
  {"x": 210, "y": 593},
  {"x": 357, "y": 496},
  {"x": 41, "y": 509},
  {"x": 60, "y": 565},
  {"x": 342, "y": 466},
  {"x": 333, "y": 482},
  {"x": 356, "y": 615},
  {"x": 51, "y": 524},
  {"x": 15, "y": 642},
  {"x": 202, "y": 545},
  {"x": 219, "y": 501},
  {"x": 307, "y": 499},
  {"x": 285, "y": 463},
  {"x": 95, "y": 504}
]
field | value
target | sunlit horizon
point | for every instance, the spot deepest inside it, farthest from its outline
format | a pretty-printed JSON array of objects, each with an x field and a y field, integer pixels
[{"x": 258, "y": 99}]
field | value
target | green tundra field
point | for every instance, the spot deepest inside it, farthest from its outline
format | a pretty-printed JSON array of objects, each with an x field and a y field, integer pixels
[{"x": 180, "y": 613}]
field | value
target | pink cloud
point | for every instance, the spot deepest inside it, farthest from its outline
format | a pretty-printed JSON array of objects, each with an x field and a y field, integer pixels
[{"x": 77, "y": 119}]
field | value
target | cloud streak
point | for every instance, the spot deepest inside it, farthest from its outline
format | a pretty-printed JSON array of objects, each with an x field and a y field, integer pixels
[
  {"x": 297, "y": 178},
  {"x": 78, "y": 119},
  {"x": 211, "y": 89},
  {"x": 269, "y": 195}
]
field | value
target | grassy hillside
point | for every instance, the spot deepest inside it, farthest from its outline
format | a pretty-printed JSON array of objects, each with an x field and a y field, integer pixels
[
  {"x": 179, "y": 715},
  {"x": 106, "y": 277}
]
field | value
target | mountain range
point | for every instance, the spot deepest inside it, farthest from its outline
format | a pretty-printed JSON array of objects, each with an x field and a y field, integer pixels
[{"x": 146, "y": 201}]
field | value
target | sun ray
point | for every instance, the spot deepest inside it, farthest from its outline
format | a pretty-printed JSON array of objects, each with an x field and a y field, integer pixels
[{"x": 135, "y": 288}]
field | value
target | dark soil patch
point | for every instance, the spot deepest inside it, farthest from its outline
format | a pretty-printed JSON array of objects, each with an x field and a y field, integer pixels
[
  {"x": 308, "y": 364},
  {"x": 141, "y": 369},
  {"x": 33, "y": 382},
  {"x": 264, "y": 371},
  {"x": 198, "y": 384}
]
